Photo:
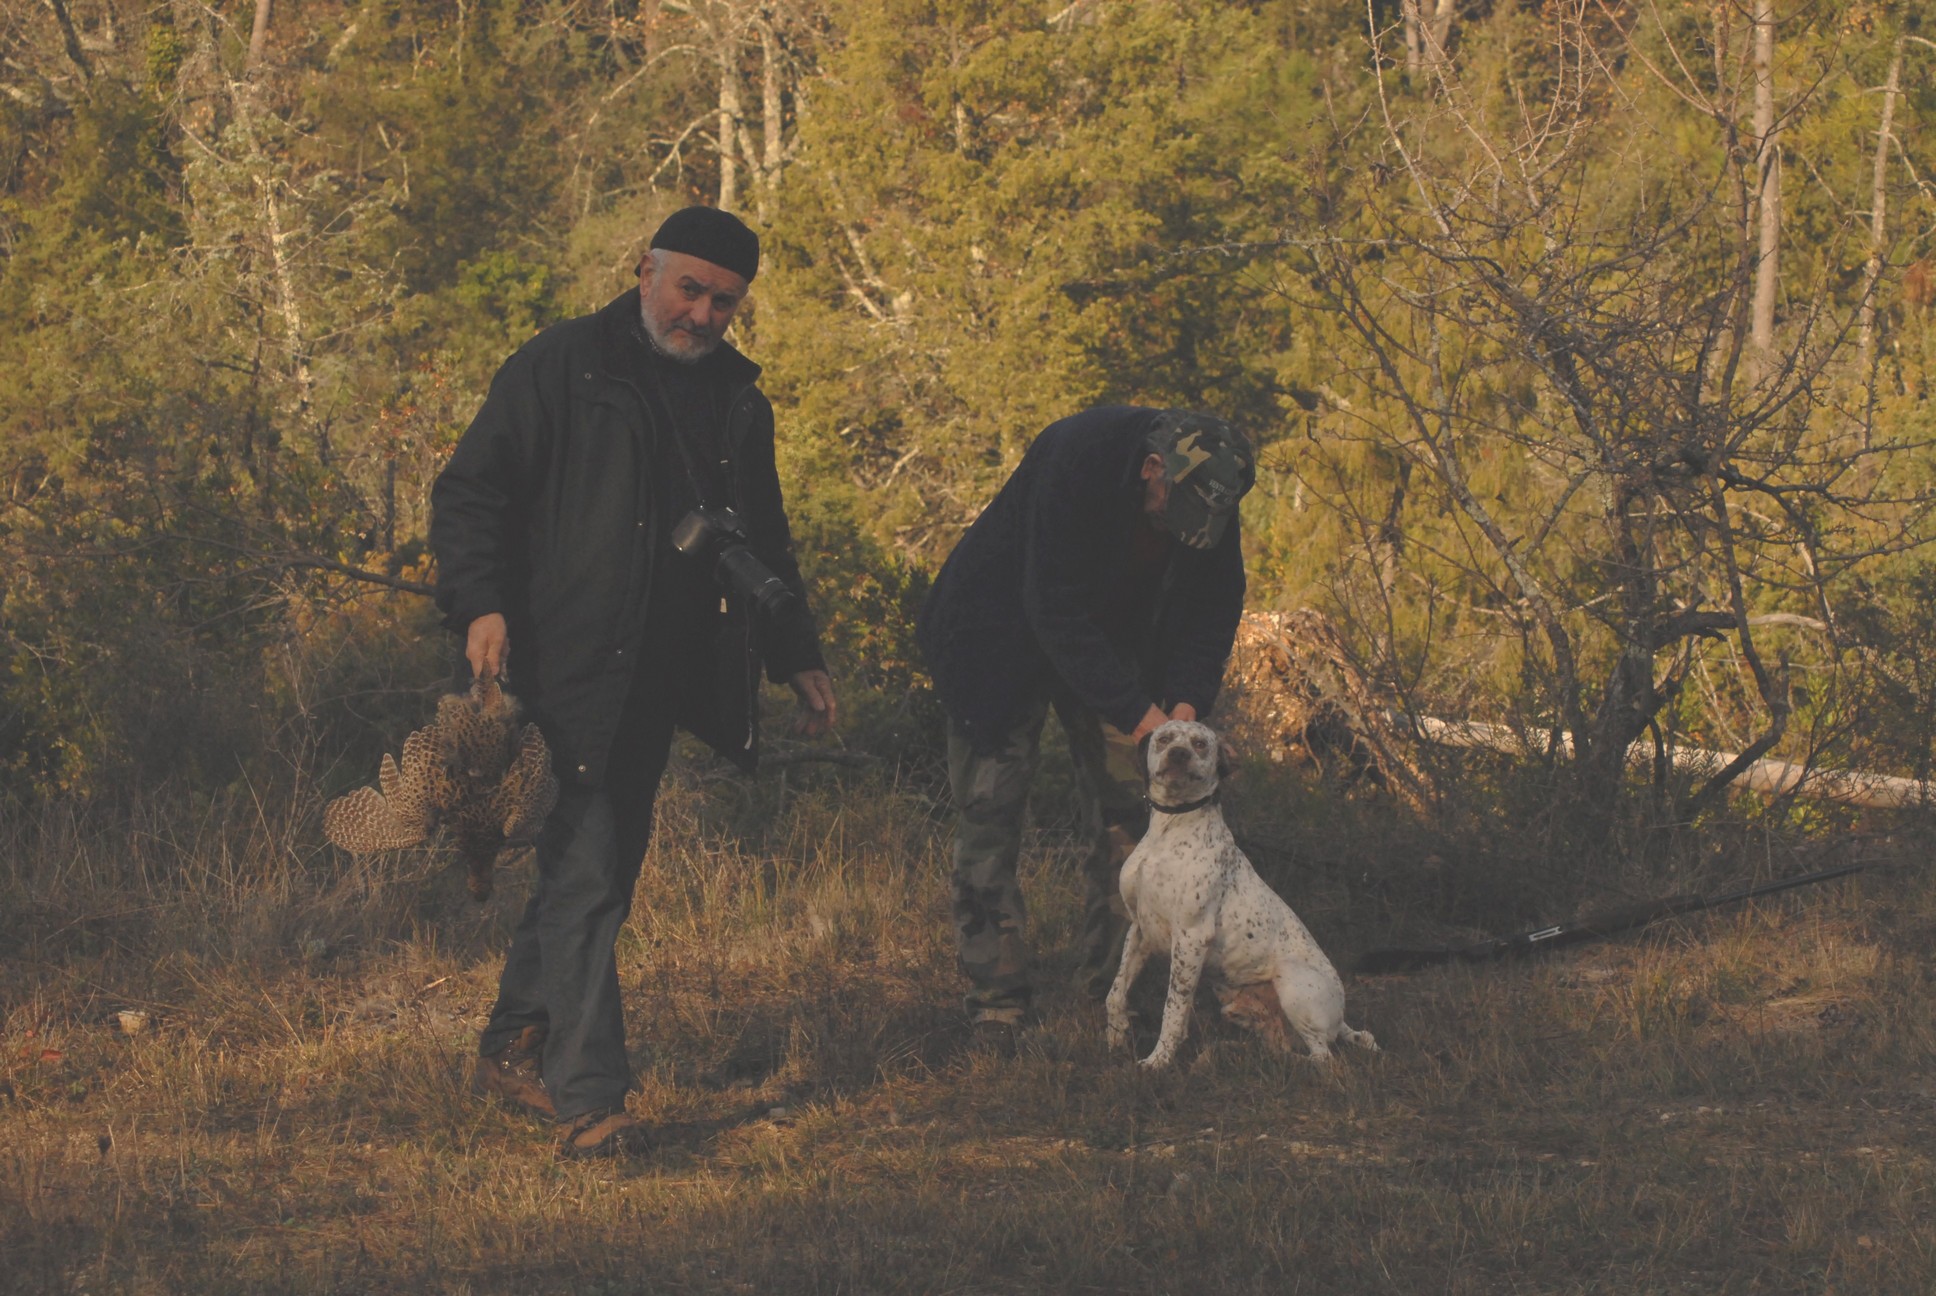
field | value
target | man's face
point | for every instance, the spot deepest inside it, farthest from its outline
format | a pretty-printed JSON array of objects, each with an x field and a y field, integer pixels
[
  {"x": 687, "y": 303},
  {"x": 1156, "y": 490}
]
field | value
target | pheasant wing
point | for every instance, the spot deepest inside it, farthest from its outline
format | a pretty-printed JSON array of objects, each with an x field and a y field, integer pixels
[
  {"x": 528, "y": 790},
  {"x": 424, "y": 787},
  {"x": 389, "y": 779},
  {"x": 365, "y": 820},
  {"x": 391, "y": 816}
]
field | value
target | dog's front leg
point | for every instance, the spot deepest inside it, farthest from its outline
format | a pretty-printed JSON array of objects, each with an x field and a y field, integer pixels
[
  {"x": 1188, "y": 948},
  {"x": 1136, "y": 952}
]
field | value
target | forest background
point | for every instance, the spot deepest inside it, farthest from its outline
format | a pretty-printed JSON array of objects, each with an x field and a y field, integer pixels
[
  {"x": 1587, "y": 348},
  {"x": 1585, "y": 344}
]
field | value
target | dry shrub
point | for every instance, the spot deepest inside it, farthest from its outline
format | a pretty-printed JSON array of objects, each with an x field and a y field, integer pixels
[{"x": 1293, "y": 692}]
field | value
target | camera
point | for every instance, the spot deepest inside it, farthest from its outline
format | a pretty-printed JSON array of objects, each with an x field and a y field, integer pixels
[{"x": 716, "y": 538}]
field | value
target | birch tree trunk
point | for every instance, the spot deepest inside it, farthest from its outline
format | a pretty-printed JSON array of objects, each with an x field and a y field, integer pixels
[
  {"x": 1767, "y": 182},
  {"x": 268, "y": 180},
  {"x": 287, "y": 303},
  {"x": 765, "y": 156},
  {"x": 1879, "y": 205},
  {"x": 730, "y": 107},
  {"x": 1428, "y": 27},
  {"x": 258, "y": 36},
  {"x": 1439, "y": 30},
  {"x": 772, "y": 104}
]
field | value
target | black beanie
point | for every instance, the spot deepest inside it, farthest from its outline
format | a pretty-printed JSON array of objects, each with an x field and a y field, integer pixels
[{"x": 712, "y": 235}]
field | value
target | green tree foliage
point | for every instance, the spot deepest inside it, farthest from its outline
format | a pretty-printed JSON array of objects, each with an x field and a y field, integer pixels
[
  {"x": 219, "y": 305},
  {"x": 246, "y": 306},
  {"x": 994, "y": 221}
]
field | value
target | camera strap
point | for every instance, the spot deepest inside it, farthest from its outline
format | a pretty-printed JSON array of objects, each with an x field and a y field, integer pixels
[
  {"x": 661, "y": 374},
  {"x": 705, "y": 487}
]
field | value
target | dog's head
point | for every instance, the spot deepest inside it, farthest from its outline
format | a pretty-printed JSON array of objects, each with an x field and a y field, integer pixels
[{"x": 1185, "y": 761}]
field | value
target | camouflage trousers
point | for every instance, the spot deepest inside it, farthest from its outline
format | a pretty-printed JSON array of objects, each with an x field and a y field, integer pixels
[{"x": 991, "y": 799}]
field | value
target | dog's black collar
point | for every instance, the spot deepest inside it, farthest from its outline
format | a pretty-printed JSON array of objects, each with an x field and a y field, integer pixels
[{"x": 1186, "y": 807}]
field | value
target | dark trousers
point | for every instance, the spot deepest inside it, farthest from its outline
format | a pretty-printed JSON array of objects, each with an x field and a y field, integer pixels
[
  {"x": 991, "y": 799},
  {"x": 561, "y": 974}
]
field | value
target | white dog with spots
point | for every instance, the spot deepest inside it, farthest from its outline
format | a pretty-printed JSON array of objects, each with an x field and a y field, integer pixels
[{"x": 1190, "y": 890}]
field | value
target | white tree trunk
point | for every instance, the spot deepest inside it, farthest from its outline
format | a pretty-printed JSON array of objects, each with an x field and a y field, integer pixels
[
  {"x": 765, "y": 156},
  {"x": 258, "y": 36},
  {"x": 278, "y": 235},
  {"x": 1439, "y": 32},
  {"x": 1767, "y": 181},
  {"x": 1879, "y": 205},
  {"x": 772, "y": 105},
  {"x": 1428, "y": 28},
  {"x": 288, "y": 305},
  {"x": 730, "y": 107}
]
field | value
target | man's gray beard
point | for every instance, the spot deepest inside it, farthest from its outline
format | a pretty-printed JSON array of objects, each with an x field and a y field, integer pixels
[{"x": 658, "y": 336}]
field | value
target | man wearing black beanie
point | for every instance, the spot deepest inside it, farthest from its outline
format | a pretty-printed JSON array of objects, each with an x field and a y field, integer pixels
[{"x": 593, "y": 531}]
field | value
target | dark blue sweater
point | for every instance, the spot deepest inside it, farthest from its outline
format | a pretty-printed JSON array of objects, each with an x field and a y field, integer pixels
[{"x": 1026, "y": 594}]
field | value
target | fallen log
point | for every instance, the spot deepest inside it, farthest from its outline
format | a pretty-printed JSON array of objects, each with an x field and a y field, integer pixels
[
  {"x": 1769, "y": 777},
  {"x": 1294, "y": 692}
]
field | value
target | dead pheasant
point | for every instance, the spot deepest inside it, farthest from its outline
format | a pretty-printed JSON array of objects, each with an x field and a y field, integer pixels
[{"x": 472, "y": 772}]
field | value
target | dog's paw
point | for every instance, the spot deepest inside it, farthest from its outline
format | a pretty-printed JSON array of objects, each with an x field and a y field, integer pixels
[{"x": 1154, "y": 1062}]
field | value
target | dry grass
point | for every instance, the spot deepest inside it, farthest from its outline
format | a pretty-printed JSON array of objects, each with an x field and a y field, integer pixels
[{"x": 1737, "y": 1103}]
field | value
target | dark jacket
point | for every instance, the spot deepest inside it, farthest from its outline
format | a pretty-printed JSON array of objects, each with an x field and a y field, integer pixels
[
  {"x": 1028, "y": 590},
  {"x": 548, "y": 513}
]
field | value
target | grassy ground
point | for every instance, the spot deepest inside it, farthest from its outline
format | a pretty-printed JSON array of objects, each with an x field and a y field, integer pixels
[{"x": 1740, "y": 1102}]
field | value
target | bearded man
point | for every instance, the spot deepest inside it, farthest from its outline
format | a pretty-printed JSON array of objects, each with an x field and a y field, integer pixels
[{"x": 579, "y": 529}]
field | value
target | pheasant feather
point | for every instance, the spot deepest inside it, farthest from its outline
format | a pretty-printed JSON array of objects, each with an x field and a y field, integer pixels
[{"x": 473, "y": 772}]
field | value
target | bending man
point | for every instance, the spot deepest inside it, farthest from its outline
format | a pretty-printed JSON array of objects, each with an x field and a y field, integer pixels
[{"x": 1104, "y": 581}]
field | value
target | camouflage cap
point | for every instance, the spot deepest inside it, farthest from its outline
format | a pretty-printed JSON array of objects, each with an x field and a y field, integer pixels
[{"x": 1210, "y": 466}]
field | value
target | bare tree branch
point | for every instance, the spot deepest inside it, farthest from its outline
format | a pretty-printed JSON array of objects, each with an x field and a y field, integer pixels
[{"x": 70, "y": 39}]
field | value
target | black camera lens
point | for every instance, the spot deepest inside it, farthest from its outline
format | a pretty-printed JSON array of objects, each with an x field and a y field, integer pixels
[
  {"x": 716, "y": 538},
  {"x": 739, "y": 569}
]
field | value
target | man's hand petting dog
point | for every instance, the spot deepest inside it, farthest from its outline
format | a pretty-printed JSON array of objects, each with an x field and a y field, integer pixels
[{"x": 1189, "y": 889}]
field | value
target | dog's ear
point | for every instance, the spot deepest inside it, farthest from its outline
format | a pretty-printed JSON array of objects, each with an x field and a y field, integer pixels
[{"x": 1226, "y": 759}]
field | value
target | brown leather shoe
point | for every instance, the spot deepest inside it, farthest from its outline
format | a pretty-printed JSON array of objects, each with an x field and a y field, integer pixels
[
  {"x": 512, "y": 1074},
  {"x": 607, "y": 1133}
]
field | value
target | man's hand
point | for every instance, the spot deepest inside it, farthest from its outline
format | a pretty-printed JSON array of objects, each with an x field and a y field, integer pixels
[
  {"x": 487, "y": 646},
  {"x": 1151, "y": 721},
  {"x": 815, "y": 689}
]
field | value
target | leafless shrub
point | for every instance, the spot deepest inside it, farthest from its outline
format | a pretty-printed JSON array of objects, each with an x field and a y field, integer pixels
[{"x": 1571, "y": 479}]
